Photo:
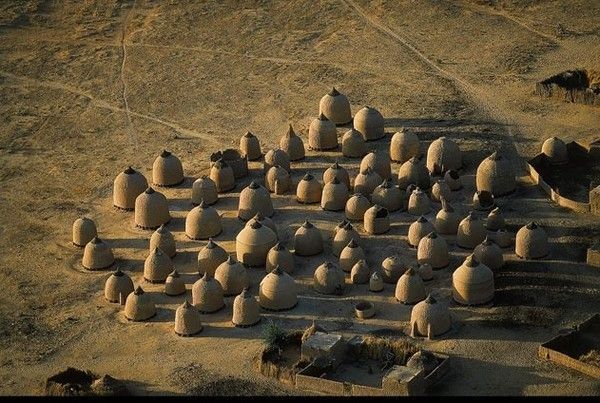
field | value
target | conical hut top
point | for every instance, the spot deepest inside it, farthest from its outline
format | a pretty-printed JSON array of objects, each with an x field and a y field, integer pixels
[
  {"x": 322, "y": 117},
  {"x": 211, "y": 244},
  {"x": 410, "y": 271},
  {"x": 162, "y": 229},
  {"x": 149, "y": 191},
  {"x": 335, "y": 181},
  {"x": 129, "y": 171},
  {"x": 279, "y": 246},
  {"x": 333, "y": 92},
  {"x": 380, "y": 212},
  {"x": 165, "y": 154},
  {"x": 342, "y": 224},
  {"x": 118, "y": 272},
  {"x": 387, "y": 184},
  {"x": 432, "y": 235},
  {"x": 253, "y": 185},
  {"x": 308, "y": 177},
  {"x": 220, "y": 164},
  {"x": 471, "y": 261},
  {"x": 447, "y": 207},
  {"x": 495, "y": 210},
  {"x": 203, "y": 205},
  {"x": 495, "y": 156},
  {"x": 174, "y": 273},
  {"x": 422, "y": 219},
  {"x": 248, "y": 134},
  {"x": 307, "y": 224},
  {"x": 487, "y": 241},
  {"x": 139, "y": 290},
  {"x": 430, "y": 300},
  {"x": 277, "y": 271},
  {"x": 95, "y": 240},
  {"x": 352, "y": 244},
  {"x": 186, "y": 304},
  {"x": 290, "y": 133},
  {"x": 254, "y": 225},
  {"x": 531, "y": 226}
]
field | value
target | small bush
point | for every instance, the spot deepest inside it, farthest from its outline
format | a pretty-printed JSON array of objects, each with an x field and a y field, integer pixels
[{"x": 273, "y": 334}]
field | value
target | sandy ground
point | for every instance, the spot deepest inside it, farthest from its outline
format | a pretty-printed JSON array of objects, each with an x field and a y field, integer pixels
[{"x": 89, "y": 87}]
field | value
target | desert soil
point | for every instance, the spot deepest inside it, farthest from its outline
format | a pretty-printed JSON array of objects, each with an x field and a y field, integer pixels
[{"x": 90, "y": 87}]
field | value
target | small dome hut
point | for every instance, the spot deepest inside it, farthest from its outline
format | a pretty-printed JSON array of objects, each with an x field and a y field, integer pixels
[
  {"x": 278, "y": 291},
  {"x": 167, "y": 170},
  {"x": 370, "y": 123},
  {"x": 472, "y": 283},
  {"x": 555, "y": 151},
  {"x": 404, "y": 145},
  {"x": 276, "y": 157},
  {"x": 139, "y": 306},
  {"x": 334, "y": 196},
  {"x": 309, "y": 190},
  {"x": 379, "y": 162},
  {"x": 164, "y": 240},
  {"x": 443, "y": 154},
  {"x": 337, "y": 171},
  {"x": 126, "y": 187},
  {"x": 253, "y": 242},
  {"x": 151, "y": 210},
  {"x": 433, "y": 250},
  {"x": 336, "y": 107},
  {"x": 222, "y": 175},
  {"x": 531, "y": 242},
  {"x": 246, "y": 310},
  {"x": 429, "y": 318},
  {"x": 250, "y": 146},
  {"x": 203, "y": 222},
  {"x": 174, "y": 284},
  {"x": 157, "y": 266},
  {"x": 187, "y": 320},
  {"x": 278, "y": 180},
  {"x": 414, "y": 171},
  {"x": 470, "y": 232},
  {"x": 207, "y": 294},
  {"x": 490, "y": 254},
  {"x": 117, "y": 287},
  {"x": 254, "y": 199},
  {"x": 376, "y": 220},
  {"x": 84, "y": 230},
  {"x": 97, "y": 255},
  {"x": 360, "y": 273},
  {"x": 496, "y": 175},
  {"x": 350, "y": 255},
  {"x": 418, "y": 230},
  {"x": 308, "y": 240},
  {"x": 389, "y": 196},
  {"x": 322, "y": 134},
  {"x": 353, "y": 144},
  {"x": 205, "y": 189},
  {"x": 366, "y": 181},
  {"x": 232, "y": 276},
  {"x": 410, "y": 288},
  {"x": 293, "y": 145},
  {"x": 329, "y": 279},
  {"x": 280, "y": 256},
  {"x": 210, "y": 257}
]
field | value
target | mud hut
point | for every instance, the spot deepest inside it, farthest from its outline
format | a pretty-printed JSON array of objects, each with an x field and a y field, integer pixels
[
  {"x": 278, "y": 180},
  {"x": 308, "y": 240},
  {"x": 490, "y": 254},
  {"x": 203, "y": 222},
  {"x": 139, "y": 306},
  {"x": 429, "y": 318},
  {"x": 503, "y": 238},
  {"x": 370, "y": 123},
  {"x": 207, "y": 294},
  {"x": 376, "y": 220},
  {"x": 366, "y": 181},
  {"x": 425, "y": 270},
  {"x": 157, "y": 266},
  {"x": 151, "y": 210},
  {"x": 336, "y": 107},
  {"x": 472, "y": 283},
  {"x": 339, "y": 172},
  {"x": 439, "y": 190},
  {"x": 353, "y": 144},
  {"x": 322, "y": 134},
  {"x": 379, "y": 162},
  {"x": 246, "y": 310},
  {"x": 433, "y": 250},
  {"x": 253, "y": 242},
  {"x": 167, "y": 170},
  {"x": 447, "y": 219},
  {"x": 205, "y": 189},
  {"x": 210, "y": 257},
  {"x": 84, "y": 230},
  {"x": 414, "y": 171},
  {"x": 410, "y": 288},
  {"x": 470, "y": 232},
  {"x": 187, "y": 320},
  {"x": 356, "y": 206},
  {"x": 350, "y": 255},
  {"x": 174, "y": 284},
  {"x": 254, "y": 199},
  {"x": 334, "y": 196},
  {"x": 389, "y": 196},
  {"x": 233, "y": 158},
  {"x": 495, "y": 220},
  {"x": 309, "y": 190},
  {"x": 274, "y": 157},
  {"x": 117, "y": 287},
  {"x": 293, "y": 145},
  {"x": 418, "y": 203},
  {"x": 531, "y": 242},
  {"x": 126, "y": 187},
  {"x": 360, "y": 273},
  {"x": 280, "y": 256},
  {"x": 404, "y": 145},
  {"x": 329, "y": 279},
  {"x": 342, "y": 237},
  {"x": 164, "y": 240},
  {"x": 443, "y": 154},
  {"x": 375, "y": 283},
  {"x": 496, "y": 174},
  {"x": 392, "y": 268},
  {"x": 250, "y": 146},
  {"x": 222, "y": 175},
  {"x": 555, "y": 151},
  {"x": 278, "y": 291},
  {"x": 266, "y": 221},
  {"x": 453, "y": 180},
  {"x": 483, "y": 200},
  {"x": 233, "y": 277},
  {"x": 97, "y": 255}
]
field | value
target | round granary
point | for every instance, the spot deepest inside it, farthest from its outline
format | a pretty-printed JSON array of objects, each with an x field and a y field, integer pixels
[
  {"x": 440, "y": 190},
  {"x": 360, "y": 272},
  {"x": 117, "y": 287},
  {"x": 205, "y": 189},
  {"x": 378, "y": 161},
  {"x": 254, "y": 199},
  {"x": 443, "y": 154},
  {"x": 414, "y": 171},
  {"x": 233, "y": 277},
  {"x": 336, "y": 107},
  {"x": 126, "y": 187},
  {"x": 483, "y": 200},
  {"x": 174, "y": 284},
  {"x": 97, "y": 255},
  {"x": 495, "y": 220},
  {"x": 433, "y": 250},
  {"x": 280, "y": 256},
  {"x": 470, "y": 232},
  {"x": 278, "y": 180},
  {"x": 151, "y": 210},
  {"x": 410, "y": 288},
  {"x": 472, "y": 283},
  {"x": 453, "y": 179},
  {"x": 366, "y": 181},
  {"x": 246, "y": 310},
  {"x": 353, "y": 144},
  {"x": 339, "y": 172},
  {"x": 392, "y": 268},
  {"x": 404, "y": 145},
  {"x": 222, "y": 175},
  {"x": 490, "y": 254},
  {"x": 207, "y": 294},
  {"x": 555, "y": 151},
  {"x": 531, "y": 242},
  {"x": 418, "y": 203},
  {"x": 157, "y": 266},
  {"x": 503, "y": 238},
  {"x": 203, "y": 222},
  {"x": 187, "y": 320},
  {"x": 389, "y": 196},
  {"x": 370, "y": 123},
  {"x": 322, "y": 134},
  {"x": 350, "y": 255},
  {"x": 233, "y": 158},
  {"x": 329, "y": 279},
  {"x": 496, "y": 174},
  {"x": 418, "y": 230},
  {"x": 250, "y": 146},
  {"x": 253, "y": 242},
  {"x": 425, "y": 271},
  {"x": 376, "y": 220},
  {"x": 447, "y": 219},
  {"x": 292, "y": 144},
  {"x": 356, "y": 206},
  {"x": 266, "y": 221},
  {"x": 84, "y": 230},
  {"x": 167, "y": 170},
  {"x": 430, "y": 318},
  {"x": 375, "y": 283},
  {"x": 210, "y": 257},
  {"x": 278, "y": 291},
  {"x": 274, "y": 157},
  {"x": 139, "y": 306},
  {"x": 342, "y": 237},
  {"x": 309, "y": 190},
  {"x": 308, "y": 240},
  {"x": 164, "y": 240},
  {"x": 334, "y": 196}
]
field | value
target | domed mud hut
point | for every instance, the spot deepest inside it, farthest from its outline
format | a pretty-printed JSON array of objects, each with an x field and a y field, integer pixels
[
  {"x": 334, "y": 196},
  {"x": 429, "y": 318},
  {"x": 337, "y": 171},
  {"x": 470, "y": 232},
  {"x": 418, "y": 230},
  {"x": 375, "y": 283},
  {"x": 167, "y": 170},
  {"x": 425, "y": 271},
  {"x": 392, "y": 268},
  {"x": 443, "y": 154},
  {"x": 483, "y": 200},
  {"x": 139, "y": 306},
  {"x": 164, "y": 240},
  {"x": 322, "y": 134},
  {"x": 503, "y": 238},
  {"x": 203, "y": 222},
  {"x": 353, "y": 144},
  {"x": 495, "y": 220},
  {"x": 377, "y": 220},
  {"x": 350, "y": 255},
  {"x": 117, "y": 287},
  {"x": 151, "y": 210},
  {"x": 366, "y": 181},
  {"x": 205, "y": 189},
  {"x": 250, "y": 146},
  {"x": 472, "y": 283},
  {"x": 308, "y": 240},
  {"x": 414, "y": 171},
  {"x": 410, "y": 288},
  {"x": 447, "y": 219},
  {"x": 97, "y": 255},
  {"x": 370, "y": 123},
  {"x": 531, "y": 242},
  {"x": 126, "y": 187},
  {"x": 280, "y": 256},
  {"x": 157, "y": 266},
  {"x": 496, "y": 174},
  {"x": 233, "y": 277},
  {"x": 254, "y": 199},
  {"x": 210, "y": 257},
  {"x": 356, "y": 206},
  {"x": 207, "y": 294},
  {"x": 440, "y": 190},
  {"x": 174, "y": 284},
  {"x": 433, "y": 250},
  {"x": 84, "y": 230},
  {"x": 246, "y": 310},
  {"x": 253, "y": 242},
  {"x": 453, "y": 180},
  {"x": 379, "y": 162},
  {"x": 360, "y": 273},
  {"x": 292, "y": 145},
  {"x": 389, "y": 196},
  {"x": 187, "y": 320},
  {"x": 555, "y": 151},
  {"x": 329, "y": 279},
  {"x": 278, "y": 291},
  {"x": 278, "y": 180},
  {"x": 274, "y": 157},
  {"x": 490, "y": 254},
  {"x": 266, "y": 221},
  {"x": 309, "y": 190},
  {"x": 233, "y": 158},
  {"x": 222, "y": 175},
  {"x": 418, "y": 203},
  {"x": 336, "y": 107},
  {"x": 342, "y": 237},
  {"x": 404, "y": 145}
]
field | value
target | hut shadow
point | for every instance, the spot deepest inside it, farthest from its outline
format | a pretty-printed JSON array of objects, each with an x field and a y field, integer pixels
[{"x": 163, "y": 315}]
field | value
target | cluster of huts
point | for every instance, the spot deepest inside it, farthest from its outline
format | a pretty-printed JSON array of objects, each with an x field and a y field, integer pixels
[{"x": 421, "y": 182}]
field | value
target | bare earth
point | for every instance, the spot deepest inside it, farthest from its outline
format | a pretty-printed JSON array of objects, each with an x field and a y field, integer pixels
[{"x": 89, "y": 87}]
